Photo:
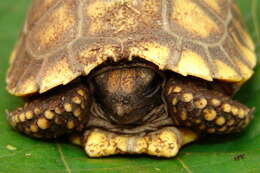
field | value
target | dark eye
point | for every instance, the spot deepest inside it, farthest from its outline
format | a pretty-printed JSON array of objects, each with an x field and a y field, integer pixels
[{"x": 150, "y": 92}]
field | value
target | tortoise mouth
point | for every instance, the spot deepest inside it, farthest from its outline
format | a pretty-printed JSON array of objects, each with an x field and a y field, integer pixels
[{"x": 152, "y": 121}]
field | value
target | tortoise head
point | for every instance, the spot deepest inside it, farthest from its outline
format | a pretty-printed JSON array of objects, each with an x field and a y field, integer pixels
[{"x": 127, "y": 94}]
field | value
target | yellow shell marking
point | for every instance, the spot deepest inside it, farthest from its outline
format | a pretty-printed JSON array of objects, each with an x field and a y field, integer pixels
[
  {"x": 225, "y": 72},
  {"x": 45, "y": 4},
  {"x": 213, "y": 4},
  {"x": 247, "y": 53},
  {"x": 101, "y": 54},
  {"x": 193, "y": 18},
  {"x": 193, "y": 64},
  {"x": 246, "y": 72},
  {"x": 28, "y": 86},
  {"x": 122, "y": 19},
  {"x": 151, "y": 51},
  {"x": 58, "y": 73},
  {"x": 120, "y": 16},
  {"x": 61, "y": 21},
  {"x": 245, "y": 35}
]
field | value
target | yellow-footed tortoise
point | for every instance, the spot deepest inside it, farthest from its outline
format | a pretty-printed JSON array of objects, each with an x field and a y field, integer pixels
[{"x": 131, "y": 76}]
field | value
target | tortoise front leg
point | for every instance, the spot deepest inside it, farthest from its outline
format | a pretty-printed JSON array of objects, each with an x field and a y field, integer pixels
[
  {"x": 203, "y": 108},
  {"x": 165, "y": 142},
  {"x": 54, "y": 114}
]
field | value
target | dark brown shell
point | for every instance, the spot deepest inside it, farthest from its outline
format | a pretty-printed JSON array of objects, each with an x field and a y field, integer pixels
[{"x": 63, "y": 39}]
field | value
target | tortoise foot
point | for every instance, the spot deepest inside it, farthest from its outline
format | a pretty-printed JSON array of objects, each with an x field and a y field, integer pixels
[{"x": 165, "y": 142}]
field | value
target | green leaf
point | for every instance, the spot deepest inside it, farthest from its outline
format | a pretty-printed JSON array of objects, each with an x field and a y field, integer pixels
[{"x": 21, "y": 154}]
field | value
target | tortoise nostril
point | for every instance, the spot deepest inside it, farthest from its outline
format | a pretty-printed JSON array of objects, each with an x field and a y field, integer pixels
[{"x": 119, "y": 110}]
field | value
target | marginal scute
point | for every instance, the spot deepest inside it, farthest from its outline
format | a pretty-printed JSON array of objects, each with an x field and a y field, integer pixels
[
  {"x": 28, "y": 86},
  {"x": 245, "y": 70},
  {"x": 225, "y": 72},
  {"x": 62, "y": 40},
  {"x": 246, "y": 53},
  {"x": 192, "y": 63},
  {"x": 56, "y": 71},
  {"x": 151, "y": 51},
  {"x": 89, "y": 53},
  {"x": 246, "y": 37},
  {"x": 38, "y": 10}
]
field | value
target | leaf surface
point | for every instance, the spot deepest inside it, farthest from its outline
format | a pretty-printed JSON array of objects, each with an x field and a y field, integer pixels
[{"x": 20, "y": 154}]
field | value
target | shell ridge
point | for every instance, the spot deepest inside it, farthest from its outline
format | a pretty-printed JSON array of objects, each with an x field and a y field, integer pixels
[
  {"x": 41, "y": 72},
  {"x": 46, "y": 12},
  {"x": 73, "y": 62},
  {"x": 69, "y": 48},
  {"x": 45, "y": 15},
  {"x": 175, "y": 55},
  {"x": 23, "y": 76},
  {"x": 209, "y": 11},
  {"x": 209, "y": 62},
  {"x": 238, "y": 52},
  {"x": 230, "y": 60}
]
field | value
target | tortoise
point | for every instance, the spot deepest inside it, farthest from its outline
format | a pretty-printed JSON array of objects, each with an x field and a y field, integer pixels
[{"x": 131, "y": 76}]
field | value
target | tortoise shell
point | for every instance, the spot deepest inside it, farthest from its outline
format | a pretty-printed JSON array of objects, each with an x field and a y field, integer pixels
[{"x": 64, "y": 39}]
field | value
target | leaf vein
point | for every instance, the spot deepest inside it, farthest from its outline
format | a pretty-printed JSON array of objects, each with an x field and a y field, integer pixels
[
  {"x": 62, "y": 157},
  {"x": 185, "y": 166}
]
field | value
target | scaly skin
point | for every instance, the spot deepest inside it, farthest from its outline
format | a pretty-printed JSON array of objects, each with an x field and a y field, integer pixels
[
  {"x": 193, "y": 104},
  {"x": 54, "y": 114}
]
